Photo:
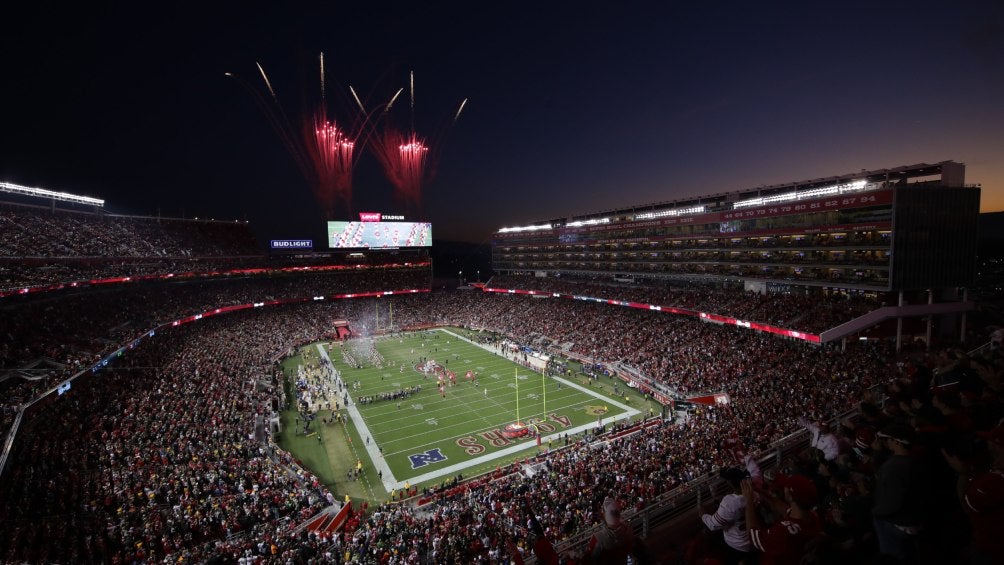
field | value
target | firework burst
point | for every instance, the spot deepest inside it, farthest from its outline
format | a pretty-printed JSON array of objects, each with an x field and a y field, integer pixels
[
  {"x": 322, "y": 146},
  {"x": 409, "y": 160}
]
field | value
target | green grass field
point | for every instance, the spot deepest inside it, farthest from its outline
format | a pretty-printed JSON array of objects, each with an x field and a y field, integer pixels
[{"x": 426, "y": 438}]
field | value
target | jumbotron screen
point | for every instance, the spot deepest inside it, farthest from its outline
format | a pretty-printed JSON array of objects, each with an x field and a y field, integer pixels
[{"x": 379, "y": 235}]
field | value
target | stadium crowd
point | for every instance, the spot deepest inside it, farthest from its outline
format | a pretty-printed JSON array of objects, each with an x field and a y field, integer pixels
[
  {"x": 165, "y": 454},
  {"x": 683, "y": 353},
  {"x": 74, "y": 329},
  {"x": 36, "y": 275},
  {"x": 156, "y": 455},
  {"x": 130, "y": 484},
  {"x": 35, "y": 252},
  {"x": 810, "y": 313},
  {"x": 33, "y": 231},
  {"x": 51, "y": 325}
]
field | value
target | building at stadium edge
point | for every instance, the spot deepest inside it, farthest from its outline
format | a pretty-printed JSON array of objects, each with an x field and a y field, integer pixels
[{"x": 908, "y": 232}]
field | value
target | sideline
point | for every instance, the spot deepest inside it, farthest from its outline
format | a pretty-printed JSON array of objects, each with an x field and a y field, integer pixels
[
  {"x": 531, "y": 443},
  {"x": 390, "y": 482},
  {"x": 371, "y": 449},
  {"x": 574, "y": 385}
]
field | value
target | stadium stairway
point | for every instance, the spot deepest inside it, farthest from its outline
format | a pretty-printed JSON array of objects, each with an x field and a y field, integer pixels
[
  {"x": 336, "y": 522},
  {"x": 320, "y": 521},
  {"x": 329, "y": 519}
]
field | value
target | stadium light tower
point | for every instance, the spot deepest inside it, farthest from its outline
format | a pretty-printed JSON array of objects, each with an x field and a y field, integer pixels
[{"x": 50, "y": 194}]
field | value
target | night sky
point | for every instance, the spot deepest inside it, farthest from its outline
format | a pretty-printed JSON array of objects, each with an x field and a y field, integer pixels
[{"x": 573, "y": 107}]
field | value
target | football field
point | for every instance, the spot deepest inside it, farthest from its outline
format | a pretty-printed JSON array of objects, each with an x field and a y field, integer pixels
[{"x": 425, "y": 436}]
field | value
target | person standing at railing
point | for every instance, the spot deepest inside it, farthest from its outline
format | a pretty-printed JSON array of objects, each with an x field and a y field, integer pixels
[
  {"x": 730, "y": 519},
  {"x": 822, "y": 439}
]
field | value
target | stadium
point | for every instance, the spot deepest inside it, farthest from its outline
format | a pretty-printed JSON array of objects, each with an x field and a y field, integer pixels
[{"x": 173, "y": 392}]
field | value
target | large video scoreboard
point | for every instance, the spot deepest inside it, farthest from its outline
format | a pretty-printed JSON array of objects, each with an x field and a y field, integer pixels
[{"x": 372, "y": 232}]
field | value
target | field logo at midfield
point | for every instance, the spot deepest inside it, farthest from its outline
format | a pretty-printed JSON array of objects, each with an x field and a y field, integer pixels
[
  {"x": 423, "y": 459},
  {"x": 472, "y": 445}
]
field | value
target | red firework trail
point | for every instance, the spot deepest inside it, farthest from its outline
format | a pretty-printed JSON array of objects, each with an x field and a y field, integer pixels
[
  {"x": 323, "y": 148},
  {"x": 409, "y": 161},
  {"x": 332, "y": 153},
  {"x": 404, "y": 161}
]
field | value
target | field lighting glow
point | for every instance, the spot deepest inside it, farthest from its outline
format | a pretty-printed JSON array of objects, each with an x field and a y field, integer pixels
[
  {"x": 538, "y": 227},
  {"x": 525, "y": 228},
  {"x": 43, "y": 193},
  {"x": 802, "y": 195},
  {"x": 592, "y": 222},
  {"x": 673, "y": 212}
]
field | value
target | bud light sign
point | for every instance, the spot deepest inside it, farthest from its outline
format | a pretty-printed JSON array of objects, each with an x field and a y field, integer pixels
[{"x": 292, "y": 244}]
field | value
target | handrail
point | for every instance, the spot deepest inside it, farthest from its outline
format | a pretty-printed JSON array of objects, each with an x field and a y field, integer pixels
[
  {"x": 685, "y": 498},
  {"x": 886, "y": 312}
]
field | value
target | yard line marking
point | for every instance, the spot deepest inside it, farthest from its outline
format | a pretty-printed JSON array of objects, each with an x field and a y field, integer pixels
[
  {"x": 371, "y": 448},
  {"x": 391, "y": 482}
]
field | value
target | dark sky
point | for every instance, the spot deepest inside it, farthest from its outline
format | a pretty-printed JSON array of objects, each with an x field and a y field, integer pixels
[{"x": 573, "y": 107}]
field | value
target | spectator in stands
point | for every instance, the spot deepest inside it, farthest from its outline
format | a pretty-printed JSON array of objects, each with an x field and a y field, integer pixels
[
  {"x": 822, "y": 439},
  {"x": 949, "y": 405},
  {"x": 899, "y": 497},
  {"x": 795, "y": 525},
  {"x": 730, "y": 518},
  {"x": 614, "y": 541},
  {"x": 996, "y": 337},
  {"x": 982, "y": 498}
]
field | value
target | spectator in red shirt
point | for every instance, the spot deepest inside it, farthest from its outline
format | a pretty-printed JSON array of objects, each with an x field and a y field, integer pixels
[
  {"x": 787, "y": 540},
  {"x": 614, "y": 541},
  {"x": 982, "y": 497}
]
